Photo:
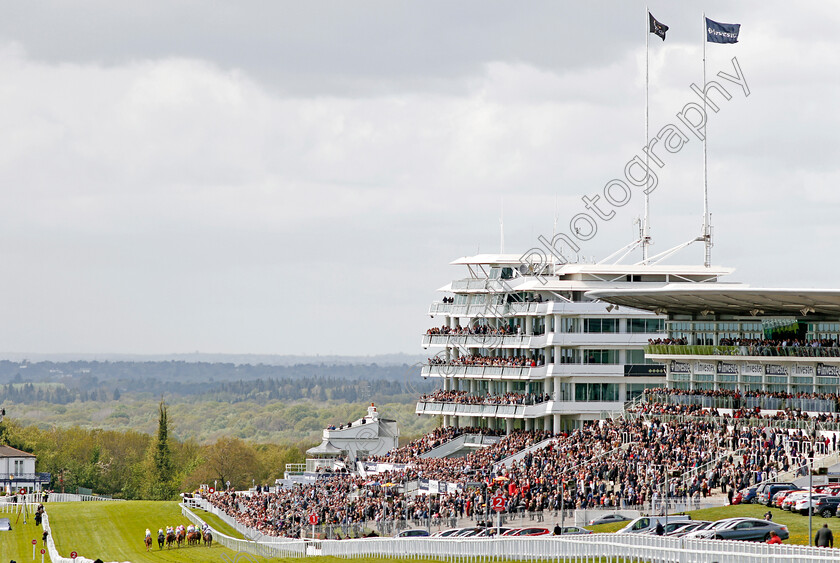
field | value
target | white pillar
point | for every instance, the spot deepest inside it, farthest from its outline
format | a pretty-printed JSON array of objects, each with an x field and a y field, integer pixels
[
  {"x": 508, "y": 425},
  {"x": 557, "y": 423}
]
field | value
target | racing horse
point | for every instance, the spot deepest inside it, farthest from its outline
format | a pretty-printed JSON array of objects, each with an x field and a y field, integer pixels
[
  {"x": 170, "y": 539},
  {"x": 208, "y": 539},
  {"x": 161, "y": 539},
  {"x": 194, "y": 538},
  {"x": 148, "y": 541},
  {"x": 180, "y": 535}
]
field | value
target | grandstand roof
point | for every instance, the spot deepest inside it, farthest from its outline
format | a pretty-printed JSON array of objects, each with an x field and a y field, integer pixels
[{"x": 733, "y": 300}]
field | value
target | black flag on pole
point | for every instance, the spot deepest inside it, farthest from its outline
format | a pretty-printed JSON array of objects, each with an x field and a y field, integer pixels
[
  {"x": 722, "y": 32},
  {"x": 657, "y": 28}
]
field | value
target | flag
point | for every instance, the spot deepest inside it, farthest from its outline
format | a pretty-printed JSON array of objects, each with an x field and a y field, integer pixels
[
  {"x": 722, "y": 32},
  {"x": 656, "y": 27}
]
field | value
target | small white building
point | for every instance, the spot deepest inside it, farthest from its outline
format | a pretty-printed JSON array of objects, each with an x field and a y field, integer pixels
[
  {"x": 367, "y": 436},
  {"x": 17, "y": 471}
]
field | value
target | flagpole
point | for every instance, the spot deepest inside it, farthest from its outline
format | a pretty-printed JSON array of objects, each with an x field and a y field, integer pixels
[
  {"x": 646, "y": 222},
  {"x": 707, "y": 235}
]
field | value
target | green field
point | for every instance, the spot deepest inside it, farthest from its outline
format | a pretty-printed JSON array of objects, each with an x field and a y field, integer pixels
[
  {"x": 17, "y": 544},
  {"x": 113, "y": 531}
]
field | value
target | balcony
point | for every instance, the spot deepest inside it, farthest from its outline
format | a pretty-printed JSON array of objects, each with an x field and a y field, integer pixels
[
  {"x": 751, "y": 351},
  {"x": 489, "y": 310},
  {"x": 483, "y": 372},
  {"x": 25, "y": 478},
  {"x": 493, "y": 411},
  {"x": 484, "y": 340}
]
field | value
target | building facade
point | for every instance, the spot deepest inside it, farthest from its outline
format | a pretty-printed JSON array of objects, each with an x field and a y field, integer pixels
[{"x": 523, "y": 347}]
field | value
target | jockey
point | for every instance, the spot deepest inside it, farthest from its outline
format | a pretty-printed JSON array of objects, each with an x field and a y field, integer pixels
[
  {"x": 190, "y": 529},
  {"x": 148, "y": 533},
  {"x": 160, "y": 531}
]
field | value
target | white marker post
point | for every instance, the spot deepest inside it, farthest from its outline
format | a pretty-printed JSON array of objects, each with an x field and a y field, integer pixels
[
  {"x": 34, "y": 543},
  {"x": 43, "y": 551}
]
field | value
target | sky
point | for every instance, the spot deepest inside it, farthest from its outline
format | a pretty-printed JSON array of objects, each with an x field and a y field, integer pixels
[{"x": 294, "y": 177}]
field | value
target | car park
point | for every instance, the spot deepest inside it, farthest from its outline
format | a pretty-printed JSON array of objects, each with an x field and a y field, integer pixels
[
  {"x": 745, "y": 529},
  {"x": 609, "y": 519}
]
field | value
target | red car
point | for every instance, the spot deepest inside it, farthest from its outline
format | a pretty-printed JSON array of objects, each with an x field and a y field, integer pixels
[{"x": 527, "y": 532}]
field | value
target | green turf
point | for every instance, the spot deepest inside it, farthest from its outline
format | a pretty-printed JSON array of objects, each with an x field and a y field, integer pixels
[
  {"x": 113, "y": 531},
  {"x": 217, "y": 523},
  {"x": 17, "y": 544}
]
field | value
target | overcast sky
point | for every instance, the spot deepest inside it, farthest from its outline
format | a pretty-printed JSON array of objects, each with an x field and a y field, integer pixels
[{"x": 294, "y": 177}]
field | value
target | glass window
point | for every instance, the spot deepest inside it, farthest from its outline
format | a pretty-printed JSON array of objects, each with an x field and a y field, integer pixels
[
  {"x": 600, "y": 356},
  {"x": 596, "y": 392},
  {"x": 600, "y": 325}
]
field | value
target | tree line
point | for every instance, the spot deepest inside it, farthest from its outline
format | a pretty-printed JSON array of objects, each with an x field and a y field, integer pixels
[{"x": 132, "y": 465}]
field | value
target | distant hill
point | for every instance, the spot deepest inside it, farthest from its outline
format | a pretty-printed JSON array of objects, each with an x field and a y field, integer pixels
[{"x": 238, "y": 359}]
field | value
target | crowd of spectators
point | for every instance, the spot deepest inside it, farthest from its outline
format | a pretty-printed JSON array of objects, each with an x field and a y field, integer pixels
[
  {"x": 439, "y": 436},
  {"x": 466, "y": 398},
  {"x": 480, "y": 330},
  {"x": 620, "y": 462},
  {"x": 498, "y": 361}
]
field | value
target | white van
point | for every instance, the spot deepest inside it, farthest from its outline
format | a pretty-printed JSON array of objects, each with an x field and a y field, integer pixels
[{"x": 644, "y": 523}]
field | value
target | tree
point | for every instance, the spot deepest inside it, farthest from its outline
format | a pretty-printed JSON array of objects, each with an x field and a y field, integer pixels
[{"x": 161, "y": 486}]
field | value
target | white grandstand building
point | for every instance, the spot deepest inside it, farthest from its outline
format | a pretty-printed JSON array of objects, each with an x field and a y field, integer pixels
[{"x": 519, "y": 347}]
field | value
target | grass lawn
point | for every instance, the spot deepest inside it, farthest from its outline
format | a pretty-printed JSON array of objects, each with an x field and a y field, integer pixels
[
  {"x": 17, "y": 544},
  {"x": 217, "y": 523},
  {"x": 113, "y": 531}
]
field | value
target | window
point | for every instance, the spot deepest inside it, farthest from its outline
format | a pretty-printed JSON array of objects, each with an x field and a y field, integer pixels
[
  {"x": 568, "y": 324},
  {"x": 646, "y": 325},
  {"x": 569, "y": 356},
  {"x": 600, "y": 356},
  {"x": 18, "y": 467},
  {"x": 600, "y": 325},
  {"x": 596, "y": 392},
  {"x": 637, "y": 357}
]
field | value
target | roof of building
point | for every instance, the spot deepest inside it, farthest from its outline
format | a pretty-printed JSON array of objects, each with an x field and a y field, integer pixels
[
  {"x": 8, "y": 451},
  {"x": 324, "y": 448},
  {"x": 721, "y": 299}
]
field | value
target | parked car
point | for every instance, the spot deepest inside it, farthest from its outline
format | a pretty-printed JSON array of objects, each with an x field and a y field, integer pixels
[
  {"x": 827, "y": 506},
  {"x": 669, "y": 527},
  {"x": 413, "y": 533},
  {"x": 645, "y": 523},
  {"x": 805, "y": 505},
  {"x": 780, "y": 497},
  {"x": 693, "y": 526},
  {"x": 746, "y": 529},
  {"x": 527, "y": 532},
  {"x": 5, "y": 525},
  {"x": 609, "y": 519},
  {"x": 447, "y": 533},
  {"x": 767, "y": 490},
  {"x": 793, "y": 498},
  {"x": 745, "y": 496},
  {"x": 573, "y": 530}
]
